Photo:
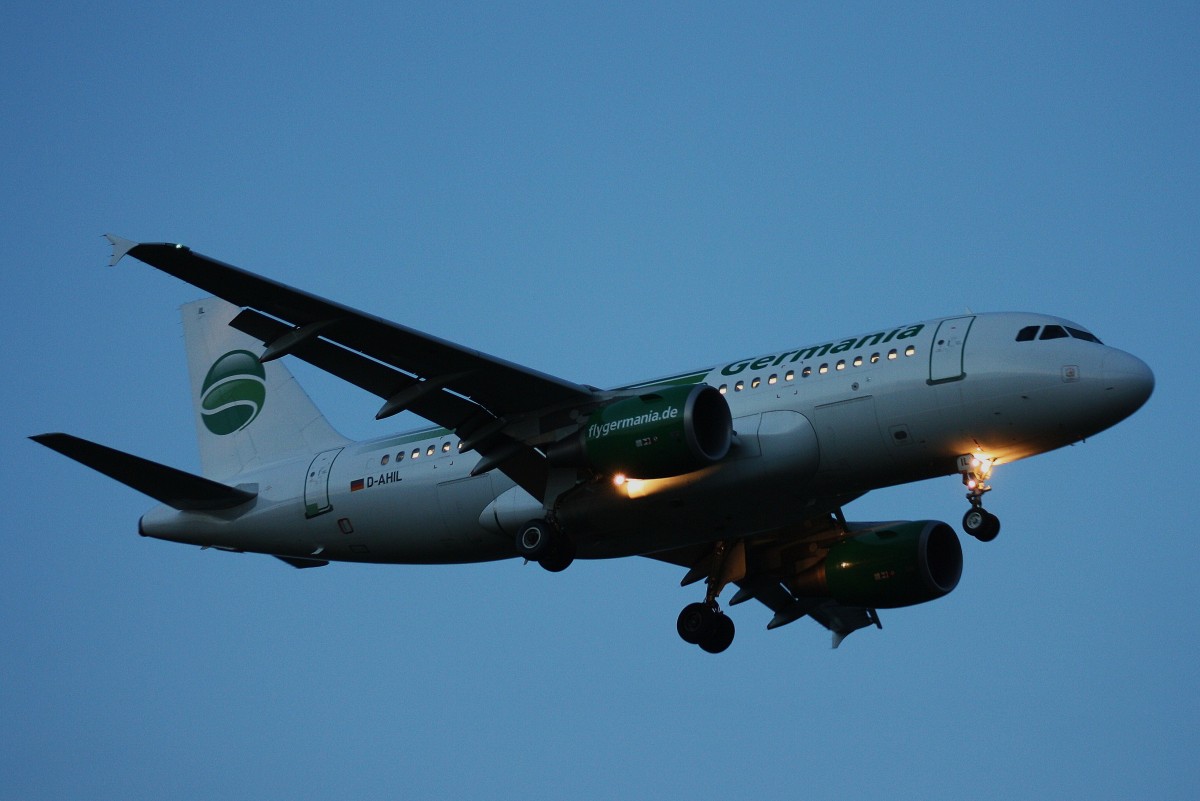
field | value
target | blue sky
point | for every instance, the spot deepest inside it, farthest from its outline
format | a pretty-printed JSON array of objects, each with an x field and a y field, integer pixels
[{"x": 607, "y": 193}]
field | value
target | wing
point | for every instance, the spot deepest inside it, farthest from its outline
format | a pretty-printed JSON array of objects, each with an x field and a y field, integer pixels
[
  {"x": 496, "y": 407},
  {"x": 769, "y": 562}
]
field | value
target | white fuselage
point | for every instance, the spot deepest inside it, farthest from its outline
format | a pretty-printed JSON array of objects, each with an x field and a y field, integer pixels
[{"x": 820, "y": 424}]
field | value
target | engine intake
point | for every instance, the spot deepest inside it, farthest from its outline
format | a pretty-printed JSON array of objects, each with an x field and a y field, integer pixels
[
  {"x": 657, "y": 435},
  {"x": 900, "y": 564}
]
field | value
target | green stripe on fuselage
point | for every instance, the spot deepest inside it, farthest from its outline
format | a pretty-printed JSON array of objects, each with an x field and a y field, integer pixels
[{"x": 686, "y": 379}]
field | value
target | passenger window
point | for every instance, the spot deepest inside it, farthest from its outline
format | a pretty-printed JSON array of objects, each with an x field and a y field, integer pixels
[
  {"x": 910, "y": 351},
  {"x": 445, "y": 447},
  {"x": 772, "y": 379},
  {"x": 416, "y": 452},
  {"x": 385, "y": 459},
  {"x": 430, "y": 451},
  {"x": 892, "y": 354},
  {"x": 823, "y": 369},
  {"x": 754, "y": 384},
  {"x": 874, "y": 358},
  {"x": 841, "y": 365},
  {"x": 791, "y": 376},
  {"x": 724, "y": 388},
  {"x": 858, "y": 361},
  {"x": 1027, "y": 333},
  {"x": 739, "y": 386},
  {"x": 806, "y": 372},
  {"x": 1053, "y": 332}
]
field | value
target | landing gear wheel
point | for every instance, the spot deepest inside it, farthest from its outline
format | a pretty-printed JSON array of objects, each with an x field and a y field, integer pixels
[
  {"x": 719, "y": 636},
  {"x": 704, "y": 624},
  {"x": 538, "y": 541},
  {"x": 534, "y": 540},
  {"x": 981, "y": 524},
  {"x": 695, "y": 622},
  {"x": 559, "y": 557}
]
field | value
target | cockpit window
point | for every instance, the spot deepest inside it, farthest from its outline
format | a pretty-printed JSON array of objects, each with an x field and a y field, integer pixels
[
  {"x": 1030, "y": 333},
  {"x": 1081, "y": 334},
  {"x": 1027, "y": 333},
  {"x": 1054, "y": 332}
]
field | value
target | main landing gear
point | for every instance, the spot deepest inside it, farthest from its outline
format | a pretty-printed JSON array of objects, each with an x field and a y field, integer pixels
[
  {"x": 978, "y": 522},
  {"x": 539, "y": 541},
  {"x": 704, "y": 623}
]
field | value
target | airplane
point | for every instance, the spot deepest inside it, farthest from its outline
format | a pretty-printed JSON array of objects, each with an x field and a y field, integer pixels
[{"x": 737, "y": 473}]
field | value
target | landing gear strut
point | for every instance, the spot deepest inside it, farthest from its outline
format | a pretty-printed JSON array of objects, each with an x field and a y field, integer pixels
[
  {"x": 978, "y": 522},
  {"x": 704, "y": 623},
  {"x": 539, "y": 541}
]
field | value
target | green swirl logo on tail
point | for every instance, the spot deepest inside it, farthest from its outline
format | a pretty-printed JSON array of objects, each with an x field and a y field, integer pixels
[{"x": 233, "y": 392}]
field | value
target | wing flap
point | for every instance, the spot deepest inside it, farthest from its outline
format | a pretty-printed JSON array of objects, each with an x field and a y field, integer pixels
[
  {"x": 839, "y": 619},
  {"x": 844, "y": 620}
]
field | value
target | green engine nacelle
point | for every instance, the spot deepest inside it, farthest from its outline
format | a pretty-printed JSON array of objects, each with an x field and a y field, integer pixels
[
  {"x": 660, "y": 434},
  {"x": 896, "y": 565}
]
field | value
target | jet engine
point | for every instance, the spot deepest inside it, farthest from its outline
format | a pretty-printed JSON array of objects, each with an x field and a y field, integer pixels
[
  {"x": 660, "y": 434},
  {"x": 897, "y": 564}
]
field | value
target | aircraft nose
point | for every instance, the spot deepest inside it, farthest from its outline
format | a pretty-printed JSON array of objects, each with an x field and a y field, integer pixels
[{"x": 1128, "y": 381}]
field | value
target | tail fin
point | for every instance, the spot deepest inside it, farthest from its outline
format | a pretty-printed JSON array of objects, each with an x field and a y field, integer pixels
[{"x": 248, "y": 413}]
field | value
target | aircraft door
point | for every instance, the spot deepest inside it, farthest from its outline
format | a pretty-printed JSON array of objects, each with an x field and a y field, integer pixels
[
  {"x": 316, "y": 486},
  {"x": 946, "y": 356}
]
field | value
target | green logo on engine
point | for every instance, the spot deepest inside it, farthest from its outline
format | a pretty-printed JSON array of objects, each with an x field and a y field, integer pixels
[{"x": 233, "y": 392}]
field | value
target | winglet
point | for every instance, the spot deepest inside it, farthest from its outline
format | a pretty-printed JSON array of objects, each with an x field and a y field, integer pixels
[{"x": 120, "y": 247}]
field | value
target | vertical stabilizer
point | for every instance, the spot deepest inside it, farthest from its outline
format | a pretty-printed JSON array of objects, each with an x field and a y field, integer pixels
[{"x": 248, "y": 413}]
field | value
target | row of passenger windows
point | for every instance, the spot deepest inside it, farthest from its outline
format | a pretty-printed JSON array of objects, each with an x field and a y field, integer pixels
[
  {"x": 790, "y": 375},
  {"x": 1030, "y": 333},
  {"x": 841, "y": 364},
  {"x": 416, "y": 453}
]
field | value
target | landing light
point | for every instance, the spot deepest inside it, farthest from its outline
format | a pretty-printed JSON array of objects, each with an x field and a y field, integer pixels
[{"x": 631, "y": 487}]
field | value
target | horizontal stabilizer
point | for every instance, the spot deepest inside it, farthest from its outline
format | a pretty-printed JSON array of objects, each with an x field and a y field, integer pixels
[
  {"x": 175, "y": 488},
  {"x": 121, "y": 246}
]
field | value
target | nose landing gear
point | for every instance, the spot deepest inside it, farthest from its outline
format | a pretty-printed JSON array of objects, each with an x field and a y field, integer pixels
[
  {"x": 978, "y": 522},
  {"x": 981, "y": 524}
]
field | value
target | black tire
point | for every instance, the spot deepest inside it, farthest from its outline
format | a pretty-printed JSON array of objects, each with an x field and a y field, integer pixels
[
  {"x": 559, "y": 557},
  {"x": 694, "y": 623},
  {"x": 991, "y": 528},
  {"x": 981, "y": 524},
  {"x": 719, "y": 636},
  {"x": 535, "y": 540}
]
